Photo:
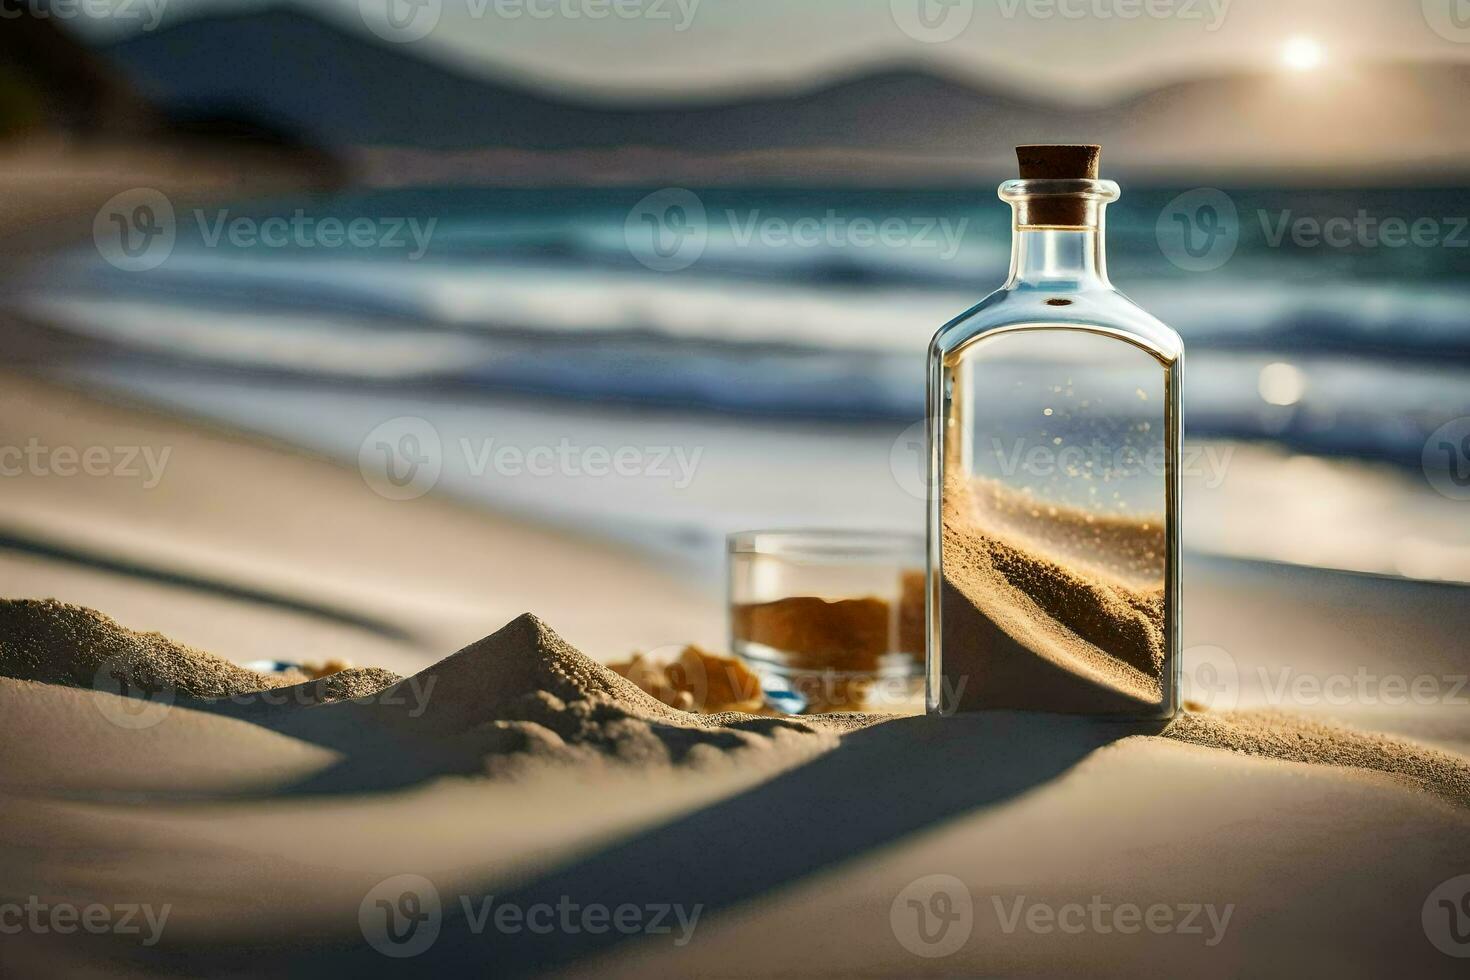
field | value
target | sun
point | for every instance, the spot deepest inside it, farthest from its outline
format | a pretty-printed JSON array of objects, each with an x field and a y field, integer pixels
[{"x": 1301, "y": 54}]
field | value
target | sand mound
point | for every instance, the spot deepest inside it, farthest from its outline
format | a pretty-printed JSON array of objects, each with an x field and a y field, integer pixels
[
  {"x": 56, "y": 643},
  {"x": 1291, "y": 738},
  {"x": 522, "y": 691},
  {"x": 351, "y": 683},
  {"x": 1030, "y": 632},
  {"x": 525, "y": 657},
  {"x": 525, "y": 690}
]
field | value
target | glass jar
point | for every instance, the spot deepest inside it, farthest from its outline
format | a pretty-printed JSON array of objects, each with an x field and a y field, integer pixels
[{"x": 830, "y": 620}]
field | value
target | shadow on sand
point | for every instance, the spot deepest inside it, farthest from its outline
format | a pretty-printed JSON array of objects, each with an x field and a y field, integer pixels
[{"x": 882, "y": 784}]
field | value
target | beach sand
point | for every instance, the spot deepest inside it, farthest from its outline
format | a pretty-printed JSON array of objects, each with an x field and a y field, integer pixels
[
  {"x": 518, "y": 769},
  {"x": 263, "y": 550},
  {"x": 521, "y": 769}
]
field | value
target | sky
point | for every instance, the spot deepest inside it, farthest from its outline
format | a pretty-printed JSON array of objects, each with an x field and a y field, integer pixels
[{"x": 1075, "y": 49}]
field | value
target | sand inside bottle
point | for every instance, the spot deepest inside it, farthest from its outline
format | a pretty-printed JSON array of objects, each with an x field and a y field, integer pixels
[{"x": 1034, "y": 629}]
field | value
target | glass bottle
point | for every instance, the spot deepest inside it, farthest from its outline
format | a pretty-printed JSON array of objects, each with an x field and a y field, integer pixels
[{"x": 1054, "y": 448}]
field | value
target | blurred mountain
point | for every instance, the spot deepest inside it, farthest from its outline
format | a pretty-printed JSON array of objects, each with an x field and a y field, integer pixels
[
  {"x": 49, "y": 82},
  {"x": 339, "y": 87},
  {"x": 75, "y": 133}
]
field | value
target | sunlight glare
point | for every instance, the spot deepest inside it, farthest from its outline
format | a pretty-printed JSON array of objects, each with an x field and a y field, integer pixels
[{"x": 1301, "y": 54}]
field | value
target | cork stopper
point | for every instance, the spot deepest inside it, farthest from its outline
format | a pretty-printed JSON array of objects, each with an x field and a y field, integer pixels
[{"x": 1058, "y": 161}]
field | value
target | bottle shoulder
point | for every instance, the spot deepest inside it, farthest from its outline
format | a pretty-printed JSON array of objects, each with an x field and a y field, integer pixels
[{"x": 1016, "y": 308}]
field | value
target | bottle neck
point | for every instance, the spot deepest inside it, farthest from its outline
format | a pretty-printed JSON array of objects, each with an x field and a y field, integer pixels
[{"x": 1058, "y": 258}]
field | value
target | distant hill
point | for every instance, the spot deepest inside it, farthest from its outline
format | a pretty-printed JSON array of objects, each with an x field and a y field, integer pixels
[{"x": 339, "y": 88}]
